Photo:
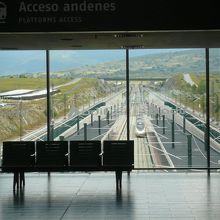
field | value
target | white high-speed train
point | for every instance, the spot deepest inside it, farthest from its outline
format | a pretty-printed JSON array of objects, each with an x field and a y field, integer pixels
[{"x": 140, "y": 128}]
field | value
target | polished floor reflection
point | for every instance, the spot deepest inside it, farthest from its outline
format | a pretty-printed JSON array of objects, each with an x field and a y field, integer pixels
[{"x": 144, "y": 195}]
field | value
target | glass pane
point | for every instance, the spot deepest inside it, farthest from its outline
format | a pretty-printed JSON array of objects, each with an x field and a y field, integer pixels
[
  {"x": 214, "y": 107},
  {"x": 88, "y": 101},
  {"x": 168, "y": 96},
  {"x": 22, "y": 95}
]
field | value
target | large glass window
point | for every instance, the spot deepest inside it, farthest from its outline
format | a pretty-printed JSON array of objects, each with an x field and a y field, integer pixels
[
  {"x": 22, "y": 95},
  {"x": 168, "y": 100},
  {"x": 167, "y": 95},
  {"x": 214, "y": 105},
  {"x": 88, "y": 101}
]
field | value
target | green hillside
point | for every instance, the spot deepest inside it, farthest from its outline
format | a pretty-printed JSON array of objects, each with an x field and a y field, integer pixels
[{"x": 163, "y": 64}]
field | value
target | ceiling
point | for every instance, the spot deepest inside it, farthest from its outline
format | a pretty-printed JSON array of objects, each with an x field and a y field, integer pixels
[{"x": 109, "y": 40}]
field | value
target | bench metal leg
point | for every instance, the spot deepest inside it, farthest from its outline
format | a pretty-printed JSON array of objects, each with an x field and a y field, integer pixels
[
  {"x": 22, "y": 179},
  {"x": 118, "y": 175},
  {"x": 16, "y": 180},
  {"x": 19, "y": 180}
]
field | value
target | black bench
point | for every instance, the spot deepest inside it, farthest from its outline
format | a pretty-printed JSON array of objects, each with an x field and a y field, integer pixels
[
  {"x": 67, "y": 156},
  {"x": 16, "y": 156}
]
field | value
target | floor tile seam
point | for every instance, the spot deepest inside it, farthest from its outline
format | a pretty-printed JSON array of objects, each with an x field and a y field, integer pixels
[{"x": 69, "y": 205}]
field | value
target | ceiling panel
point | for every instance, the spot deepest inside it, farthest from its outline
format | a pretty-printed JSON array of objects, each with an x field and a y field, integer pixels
[{"x": 109, "y": 40}]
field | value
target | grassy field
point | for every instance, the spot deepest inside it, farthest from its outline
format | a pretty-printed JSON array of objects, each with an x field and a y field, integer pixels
[
  {"x": 23, "y": 116},
  {"x": 7, "y": 84},
  {"x": 77, "y": 94}
]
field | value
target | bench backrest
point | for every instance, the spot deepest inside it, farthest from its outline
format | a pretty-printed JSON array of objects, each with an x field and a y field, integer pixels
[
  {"x": 85, "y": 153},
  {"x": 52, "y": 153},
  {"x": 81, "y": 154},
  {"x": 18, "y": 153},
  {"x": 118, "y": 153}
]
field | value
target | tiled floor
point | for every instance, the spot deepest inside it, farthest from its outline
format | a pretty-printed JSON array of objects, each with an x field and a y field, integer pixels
[{"x": 144, "y": 195}]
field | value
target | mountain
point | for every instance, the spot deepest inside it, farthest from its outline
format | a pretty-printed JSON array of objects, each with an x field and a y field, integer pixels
[
  {"x": 160, "y": 64},
  {"x": 20, "y": 62},
  {"x": 111, "y": 63}
]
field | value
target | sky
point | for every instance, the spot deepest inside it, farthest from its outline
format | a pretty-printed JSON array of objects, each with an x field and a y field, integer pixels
[{"x": 18, "y": 62}]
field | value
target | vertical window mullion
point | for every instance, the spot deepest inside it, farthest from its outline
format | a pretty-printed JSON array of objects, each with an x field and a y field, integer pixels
[
  {"x": 127, "y": 94},
  {"x": 48, "y": 96},
  {"x": 207, "y": 131}
]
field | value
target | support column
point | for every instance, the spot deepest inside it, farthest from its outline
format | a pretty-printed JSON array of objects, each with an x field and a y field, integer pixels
[
  {"x": 107, "y": 116},
  {"x": 157, "y": 116},
  {"x": 189, "y": 143},
  {"x": 99, "y": 124},
  {"x": 173, "y": 130},
  {"x": 163, "y": 124},
  {"x": 85, "y": 131},
  {"x": 78, "y": 125},
  {"x": 91, "y": 119}
]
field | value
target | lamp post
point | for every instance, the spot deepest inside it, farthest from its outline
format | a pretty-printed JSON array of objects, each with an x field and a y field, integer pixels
[
  {"x": 64, "y": 103},
  {"x": 193, "y": 105},
  {"x": 213, "y": 98},
  {"x": 217, "y": 107},
  {"x": 203, "y": 100}
]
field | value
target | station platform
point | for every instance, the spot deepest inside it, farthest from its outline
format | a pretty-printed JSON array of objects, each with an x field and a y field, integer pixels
[{"x": 148, "y": 195}]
